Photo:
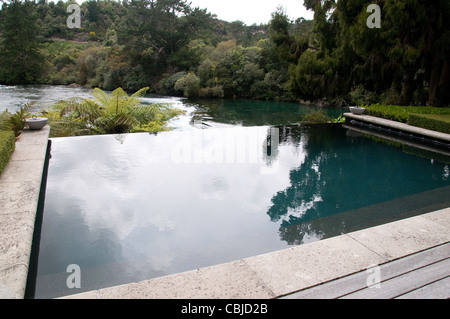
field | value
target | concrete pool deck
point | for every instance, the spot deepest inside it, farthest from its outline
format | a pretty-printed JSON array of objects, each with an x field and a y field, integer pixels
[
  {"x": 265, "y": 276},
  {"x": 20, "y": 187},
  {"x": 284, "y": 272}
]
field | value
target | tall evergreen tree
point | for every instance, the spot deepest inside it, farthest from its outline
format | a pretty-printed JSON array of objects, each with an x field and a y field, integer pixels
[{"x": 20, "y": 58}]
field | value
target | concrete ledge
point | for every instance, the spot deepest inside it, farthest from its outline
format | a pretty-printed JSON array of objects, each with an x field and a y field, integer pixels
[
  {"x": 20, "y": 185},
  {"x": 399, "y": 126},
  {"x": 283, "y": 272}
]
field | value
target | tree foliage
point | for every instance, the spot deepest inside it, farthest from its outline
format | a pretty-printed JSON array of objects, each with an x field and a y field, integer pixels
[
  {"x": 408, "y": 54},
  {"x": 21, "y": 60},
  {"x": 178, "y": 49}
]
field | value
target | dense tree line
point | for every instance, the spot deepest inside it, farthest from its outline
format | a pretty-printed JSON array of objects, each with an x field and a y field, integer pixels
[
  {"x": 405, "y": 61},
  {"x": 128, "y": 44},
  {"x": 177, "y": 49}
]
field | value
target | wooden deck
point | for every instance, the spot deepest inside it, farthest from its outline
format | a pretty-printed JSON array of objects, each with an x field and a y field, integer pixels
[{"x": 424, "y": 275}]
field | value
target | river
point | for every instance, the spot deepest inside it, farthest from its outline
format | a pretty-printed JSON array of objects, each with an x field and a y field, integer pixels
[{"x": 205, "y": 113}]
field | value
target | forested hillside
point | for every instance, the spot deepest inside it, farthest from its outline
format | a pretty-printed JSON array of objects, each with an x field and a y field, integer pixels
[
  {"x": 177, "y": 49},
  {"x": 134, "y": 44}
]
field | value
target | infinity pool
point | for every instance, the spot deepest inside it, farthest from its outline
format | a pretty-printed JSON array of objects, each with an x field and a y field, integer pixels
[{"x": 126, "y": 208}]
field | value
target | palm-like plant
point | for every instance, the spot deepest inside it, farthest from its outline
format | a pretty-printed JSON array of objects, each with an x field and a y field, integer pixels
[{"x": 114, "y": 113}]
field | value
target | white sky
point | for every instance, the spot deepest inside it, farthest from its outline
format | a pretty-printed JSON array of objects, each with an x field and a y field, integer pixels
[{"x": 252, "y": 11}]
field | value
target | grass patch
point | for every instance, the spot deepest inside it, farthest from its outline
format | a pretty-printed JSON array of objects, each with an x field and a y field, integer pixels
[{"x": 7, "y": 146}]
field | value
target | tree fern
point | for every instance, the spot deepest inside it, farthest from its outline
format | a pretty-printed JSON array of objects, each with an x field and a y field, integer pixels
[
  {"x": 78, "y": 108},
  {"x": 112, "y": 113},
  {"x": 118, "y": 101}
]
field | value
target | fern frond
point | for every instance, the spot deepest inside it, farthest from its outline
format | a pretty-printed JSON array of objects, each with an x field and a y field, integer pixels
[
  {"x": 125, "y": 119},
  {"x": 118, "y": 102},
  {"x": 119, "y": 93},
  {"x": 78, "y": 108},
  {"x": 65, "y": 128},
  {"x": 140, "y": 93},
  {"x": 101, "y": 96},
  {"x": 145, "y": 113},
  {"x": 117, "y": 123}
]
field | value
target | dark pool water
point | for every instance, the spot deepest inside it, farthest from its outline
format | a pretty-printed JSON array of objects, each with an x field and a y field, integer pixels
[{"x": 126, "y": 208}]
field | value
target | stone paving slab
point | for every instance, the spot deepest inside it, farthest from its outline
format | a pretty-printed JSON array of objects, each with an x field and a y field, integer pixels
[
  {"x": 20, "y": 184},
  {"x": 396, "y": 240},
  {"x": 308, "y": 265},
  {"x": 233, "y": 280}
]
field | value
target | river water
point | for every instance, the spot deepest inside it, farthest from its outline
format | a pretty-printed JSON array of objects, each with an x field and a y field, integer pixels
[{"x": 200, "y": 113}]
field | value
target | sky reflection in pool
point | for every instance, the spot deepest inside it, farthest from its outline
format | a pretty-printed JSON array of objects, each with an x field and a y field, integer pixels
[{"x": 132, "y": 207}]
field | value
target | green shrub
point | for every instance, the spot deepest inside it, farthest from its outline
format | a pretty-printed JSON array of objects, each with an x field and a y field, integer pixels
[
  {"x": 317, "y": 117},
  {"x": 435, "y": 122},
  {"x": 211, "y": 92},
  {"x": 4, "y": 121},
  {"x": 189, "y": 84},
  {"x": 7, "y": 146},
  {"x": 167, "y": 84}
]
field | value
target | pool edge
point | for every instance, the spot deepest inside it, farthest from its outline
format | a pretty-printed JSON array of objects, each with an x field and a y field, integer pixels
[
  {"x": 286, "y": 271},
  {"x": 20, "y": 192}
]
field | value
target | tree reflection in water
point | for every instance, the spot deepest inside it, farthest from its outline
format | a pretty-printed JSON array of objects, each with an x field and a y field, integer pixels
[{"x": 342, "y": 173}]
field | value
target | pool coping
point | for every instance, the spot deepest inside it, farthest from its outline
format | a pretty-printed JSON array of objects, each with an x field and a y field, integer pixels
[
  {"x": 287, "y": 271},
  {"x": 20, "y": 188},
  {"x": 399, "y": 126}
]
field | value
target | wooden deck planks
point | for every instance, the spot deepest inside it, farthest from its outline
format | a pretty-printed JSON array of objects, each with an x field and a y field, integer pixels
[
  {"x": 405, "y": 283},
  {"x": 422, "y": 274},
  {"x": 437, "y": 290}
]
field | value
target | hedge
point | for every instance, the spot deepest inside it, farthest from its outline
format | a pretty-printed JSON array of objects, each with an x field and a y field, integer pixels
[
  {"x": 7, "y": 146},
  {"x": 401, "y": 113},
  {"x": 435, "y": 122}
]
